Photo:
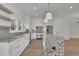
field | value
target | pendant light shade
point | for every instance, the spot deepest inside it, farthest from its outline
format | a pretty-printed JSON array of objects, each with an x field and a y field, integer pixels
[
  {"x": 48, "y": 15},
  {"x": 45, "y": 20}
]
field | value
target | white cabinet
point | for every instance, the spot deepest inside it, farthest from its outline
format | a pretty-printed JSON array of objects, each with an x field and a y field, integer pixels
[
  {"x": 17, "y": 45},
  {"x": 24, "y": 42},
  {"x": 21, "y": 45},
  {"x": 20, "y": 26},
  {"x": 4, "y": 49},
  {"x": 14, "y": 48},
  {"x": 16, "y": 26},
  {"x": 33, "y": 35}
]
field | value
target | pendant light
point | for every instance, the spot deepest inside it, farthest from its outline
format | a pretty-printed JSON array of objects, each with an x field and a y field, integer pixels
[
  {"x": 45, "y": 20},
  {"x": 48, "y": 15}
]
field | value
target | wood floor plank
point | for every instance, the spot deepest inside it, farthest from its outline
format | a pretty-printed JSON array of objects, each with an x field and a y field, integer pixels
[
  {"x": 35, "y": 48},
  {"x": 71, "y": 47}
]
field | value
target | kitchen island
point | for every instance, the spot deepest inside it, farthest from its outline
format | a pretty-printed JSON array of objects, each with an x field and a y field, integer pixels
[{"x": 54, "y": 45}]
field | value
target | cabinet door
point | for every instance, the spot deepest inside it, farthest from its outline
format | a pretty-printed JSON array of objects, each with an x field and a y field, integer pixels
[
  {"x": 20, "y": 25},
  {"x": 24, "y": 42},
  {"x": 12, "y": 49},
  {"x": 14, "y": 27},
  {"x": 17, "y": 47},
  {"x": 33, "y": 36}
]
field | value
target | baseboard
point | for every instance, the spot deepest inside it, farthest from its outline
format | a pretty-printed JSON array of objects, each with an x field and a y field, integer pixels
[
  {"x": 66, "y": 38},
  {"x": 74, "y": 36}
]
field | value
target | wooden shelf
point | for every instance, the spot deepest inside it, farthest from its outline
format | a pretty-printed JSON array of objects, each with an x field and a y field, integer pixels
[
  {"x": 1, "y": 26},
  {"x": 5, "y": 18},
  {"x": 5, "y": 9}
]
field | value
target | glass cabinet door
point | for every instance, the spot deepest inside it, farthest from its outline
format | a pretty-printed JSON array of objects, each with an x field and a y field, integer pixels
[
  {"x": 19, "y": 25},
  {"x": 16, "y": 26},
  {"x": 13, "y": 25}
]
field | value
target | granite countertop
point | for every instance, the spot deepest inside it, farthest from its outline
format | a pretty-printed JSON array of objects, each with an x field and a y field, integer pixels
[{"x": 11, "y": 39}]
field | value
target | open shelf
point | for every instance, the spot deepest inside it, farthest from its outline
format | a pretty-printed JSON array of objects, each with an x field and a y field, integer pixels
[
  {"x": 1, "y": 26},
  {"x": 5, "y": 9},
  {"x": 5, "y": 18}
]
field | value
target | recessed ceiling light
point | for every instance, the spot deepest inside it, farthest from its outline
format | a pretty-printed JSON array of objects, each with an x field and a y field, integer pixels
[
  {"x": 36, "y": 14},
  {"x": 70, "y": 7},
  {"x": 34, "y": 8}
]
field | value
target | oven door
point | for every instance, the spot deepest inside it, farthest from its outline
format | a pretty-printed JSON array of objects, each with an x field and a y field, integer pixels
[{"x": 39, "y": 35}]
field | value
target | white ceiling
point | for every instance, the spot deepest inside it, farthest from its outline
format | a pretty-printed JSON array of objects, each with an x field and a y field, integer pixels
[{"x": 58, "y": 9}]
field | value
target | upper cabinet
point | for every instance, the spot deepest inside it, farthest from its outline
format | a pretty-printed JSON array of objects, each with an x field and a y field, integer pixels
[
  {"x": 20, "y": 25},
  {"x": 16, "y": 26}
]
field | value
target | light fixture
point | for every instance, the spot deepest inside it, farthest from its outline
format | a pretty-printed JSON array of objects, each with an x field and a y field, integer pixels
[
  {"x": 48, "y": 14},
  {"x": 34, "y": 8},
  {"x": 36, "y": 14},
  {"x": 70, "y": 7},
  {"x": 45, "y": 20}
]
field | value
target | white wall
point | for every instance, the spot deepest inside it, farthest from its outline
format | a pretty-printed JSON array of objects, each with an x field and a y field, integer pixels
[
  {"x": 27, "y": 22},
  {"x": 36, "y": 22},
  {"x": 74, "y": 27},
  {"x": 67, "y": 27},
  {"x": 61, "y": 27}
]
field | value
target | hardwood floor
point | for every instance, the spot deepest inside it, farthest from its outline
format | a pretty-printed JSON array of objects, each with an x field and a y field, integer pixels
[
  {"x": 35, "y": 48},
  {"x": 71, "y": 47}
]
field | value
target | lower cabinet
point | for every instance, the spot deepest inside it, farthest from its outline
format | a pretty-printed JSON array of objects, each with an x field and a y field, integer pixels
[
  {"x": 33, "y": 36},
  {"x": 14, "y": 48},
  {"x": 21, "y": 45}
]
